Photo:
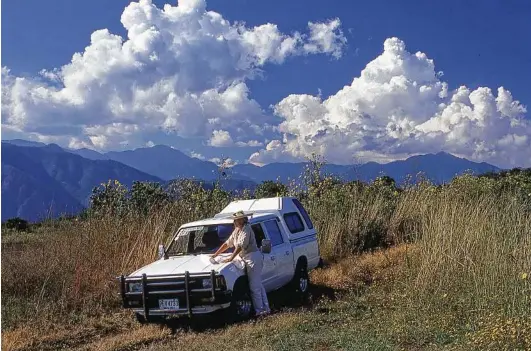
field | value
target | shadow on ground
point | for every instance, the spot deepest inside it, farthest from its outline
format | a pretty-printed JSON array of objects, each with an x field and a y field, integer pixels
[{"x": 281, "y": 300}]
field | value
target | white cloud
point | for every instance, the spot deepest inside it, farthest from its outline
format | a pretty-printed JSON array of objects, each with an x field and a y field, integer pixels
[
  {"x": 197, "y": 155},
  {"x": 326, "y": 37},
  {"x": 221, "y": 138},
  {"x": 181, "y": 69},
  {"x": 215, "y": 160},
  {"x": 250, "y": 143},
  {"x": 227, "y": 162},
  {"x": 397, "y": 107}
]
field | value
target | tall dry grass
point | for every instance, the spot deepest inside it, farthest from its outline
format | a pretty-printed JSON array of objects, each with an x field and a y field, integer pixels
[
  {"x": 472, "y": 240},
  {"x": 71, "y": 270},
  {"x": 475, "y": 252}
]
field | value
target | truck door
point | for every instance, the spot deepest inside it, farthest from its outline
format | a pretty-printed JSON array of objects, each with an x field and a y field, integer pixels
[
  {"x": 281, "y": 252},
  {"x": 269, "y": 268}
]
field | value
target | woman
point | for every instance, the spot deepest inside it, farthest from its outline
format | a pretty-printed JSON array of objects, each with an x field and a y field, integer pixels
[{"x": 243, "y": 241}]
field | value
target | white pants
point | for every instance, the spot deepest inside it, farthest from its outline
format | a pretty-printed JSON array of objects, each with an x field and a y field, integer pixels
[{"x": 254, "y": 262}]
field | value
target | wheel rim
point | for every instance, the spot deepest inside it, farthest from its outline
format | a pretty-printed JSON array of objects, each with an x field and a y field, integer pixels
[
  {"x": 243, "y": 307},
  {"x": 303, "y": 282}
]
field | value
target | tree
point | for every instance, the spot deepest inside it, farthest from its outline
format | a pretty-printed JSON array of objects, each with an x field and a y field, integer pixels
[
  {"x": 110, "y": 198},
  {"x": 269, "y": 188},
  {"x": 146, "y": 196},
  {"x": 385, "y": 181}
]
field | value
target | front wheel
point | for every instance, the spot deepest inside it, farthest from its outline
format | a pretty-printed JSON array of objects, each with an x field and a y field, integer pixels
[
  {"x": 241, "y": 305},
  {"x": 301, "y": 283},
  {"x": 140, "y": 318}
]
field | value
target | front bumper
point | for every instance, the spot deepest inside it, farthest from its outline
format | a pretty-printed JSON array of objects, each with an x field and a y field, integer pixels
[{"x": 193, "y": 298}]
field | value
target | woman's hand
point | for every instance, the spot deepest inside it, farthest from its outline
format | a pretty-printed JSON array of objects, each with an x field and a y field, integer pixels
[{"x": 234, "y": 254}]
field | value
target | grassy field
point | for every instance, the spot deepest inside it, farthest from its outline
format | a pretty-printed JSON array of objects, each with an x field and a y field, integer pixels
[{"x": 416, "y": 268}]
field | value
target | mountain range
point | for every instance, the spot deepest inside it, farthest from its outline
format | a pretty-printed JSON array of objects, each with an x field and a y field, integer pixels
[{"x": 40, "y": 180}]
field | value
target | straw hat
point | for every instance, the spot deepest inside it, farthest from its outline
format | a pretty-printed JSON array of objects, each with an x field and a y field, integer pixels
[{"x": 240, "y": 214}]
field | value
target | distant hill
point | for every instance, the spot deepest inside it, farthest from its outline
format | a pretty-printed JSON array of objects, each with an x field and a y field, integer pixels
[
  {"x": 39, "y": 178},
  {"x": 161, "y": 161},
  {"x": 28, "y": 191},
  {"x": 166, "y": 163},
  {"x": 21, "y": 142},
  {"x": 88, "y": 153},
  {"x": 439, "y": 168}
]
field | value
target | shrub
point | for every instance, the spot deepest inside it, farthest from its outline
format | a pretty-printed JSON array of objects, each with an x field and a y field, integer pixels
[
  {"x": 145, "y": 197},
  {"x": 269, "y": 188},
  {"x": 17, "y": 224}
]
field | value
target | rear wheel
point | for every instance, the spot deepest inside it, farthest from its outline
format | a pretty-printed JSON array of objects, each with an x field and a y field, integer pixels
[{"x": 301, "y": 283}]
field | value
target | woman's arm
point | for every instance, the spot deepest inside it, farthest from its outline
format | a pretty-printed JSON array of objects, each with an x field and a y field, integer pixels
[
  {"x": 221, "y": 249},
  {"x": 234, "y": 254}
]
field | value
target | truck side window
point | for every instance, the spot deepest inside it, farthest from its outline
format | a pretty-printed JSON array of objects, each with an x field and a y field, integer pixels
[
  {"x": 304, "y": 214},
  {"x": 274, "y": 232},
  {"x": 258, "y": 233},
  {"x": 294, "y": 222}
]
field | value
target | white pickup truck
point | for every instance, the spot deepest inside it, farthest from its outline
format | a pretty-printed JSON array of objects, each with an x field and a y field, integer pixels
[{"x": 184, "y": 281}]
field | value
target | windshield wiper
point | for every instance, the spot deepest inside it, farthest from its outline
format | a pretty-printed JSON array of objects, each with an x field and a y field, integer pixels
[{"x": 203, "y": 252}]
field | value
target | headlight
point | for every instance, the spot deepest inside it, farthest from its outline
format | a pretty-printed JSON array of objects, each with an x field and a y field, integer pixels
[
  {"x": 135, "y": 287},
  {"x": 220, "y": 283},
  {"x": 207, "y": 283}
]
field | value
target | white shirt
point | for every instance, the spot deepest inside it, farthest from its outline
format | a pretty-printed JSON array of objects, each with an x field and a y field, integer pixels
[{"x": 243, "y": 238}]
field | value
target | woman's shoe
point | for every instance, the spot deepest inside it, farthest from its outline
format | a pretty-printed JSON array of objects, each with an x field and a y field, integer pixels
[{"x": 262, "y": 314}]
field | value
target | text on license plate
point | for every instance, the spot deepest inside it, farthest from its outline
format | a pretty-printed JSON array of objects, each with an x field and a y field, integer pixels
[{"x": 169, "y": 304}]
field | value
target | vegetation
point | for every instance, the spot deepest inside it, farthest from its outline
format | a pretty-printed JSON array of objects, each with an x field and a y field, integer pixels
[
  {"x": 270, "y": 189},
  {"x": 415, "y": 266},
  {"x": 18, "y": 224}
]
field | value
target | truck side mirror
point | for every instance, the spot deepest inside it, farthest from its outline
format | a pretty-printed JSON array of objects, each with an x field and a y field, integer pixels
[
  {"x": 266, "y": 246},
  {"x": 162, "y": 252}
]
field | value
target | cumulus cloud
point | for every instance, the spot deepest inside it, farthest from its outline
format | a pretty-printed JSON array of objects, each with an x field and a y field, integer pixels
[
  {"x": 397, "y": 107},
  {"x": 221, "y": 138},
  {"x": 326, "y": 37},
  {"x": 182, "y": 69}
]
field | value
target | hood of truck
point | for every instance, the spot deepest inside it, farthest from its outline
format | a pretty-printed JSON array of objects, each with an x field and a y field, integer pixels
[{"x": 181, "y": 264}]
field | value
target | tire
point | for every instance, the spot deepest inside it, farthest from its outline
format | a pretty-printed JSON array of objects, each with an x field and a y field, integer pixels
[
  {"x": 300, "y": 285},
  {"x": 241, "y": 305},
  {"x": 140, "y": 318},
  {"x": 321, "y": 263}
]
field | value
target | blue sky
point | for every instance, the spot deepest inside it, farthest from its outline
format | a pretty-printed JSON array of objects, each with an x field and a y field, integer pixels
[{"x": 476, "y": 44}]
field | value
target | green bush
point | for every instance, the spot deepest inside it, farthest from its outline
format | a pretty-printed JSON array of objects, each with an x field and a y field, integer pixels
[
  {"x": 270, "y": 188},
  {"x": 17, "y": 224}
]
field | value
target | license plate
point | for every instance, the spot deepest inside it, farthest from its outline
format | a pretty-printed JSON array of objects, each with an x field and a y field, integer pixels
[{"x": 169, "y": 304}]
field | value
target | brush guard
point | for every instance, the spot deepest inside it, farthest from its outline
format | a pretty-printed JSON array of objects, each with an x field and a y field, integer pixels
[{"x": 186, "y": 287}]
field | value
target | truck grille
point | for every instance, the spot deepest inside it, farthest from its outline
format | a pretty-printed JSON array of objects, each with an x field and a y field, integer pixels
[{"x": 187, "y": 287}]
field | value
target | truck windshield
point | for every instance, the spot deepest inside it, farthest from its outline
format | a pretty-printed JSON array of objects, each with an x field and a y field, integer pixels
[{"x": 201, "y": 239}]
